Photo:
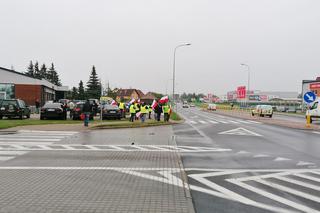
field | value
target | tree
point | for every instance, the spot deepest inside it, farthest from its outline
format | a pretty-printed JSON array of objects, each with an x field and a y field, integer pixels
[
  {"x": 43, "y": 72},
  {"x": 53, "y": 76},
  {"x": 81, "y": 93},
  {"x": 74, "y": 93},
  {"x": 36, "y": 70},
  {"x": 93, "y": 85},
  {"x": 30, "y": 70}
]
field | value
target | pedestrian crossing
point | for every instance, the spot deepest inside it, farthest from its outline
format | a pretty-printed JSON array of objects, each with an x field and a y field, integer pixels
[
  {"x": 220, "y": 121},
  {"x": 24, "y": 147},
  {"x": 12, "y": 144}
]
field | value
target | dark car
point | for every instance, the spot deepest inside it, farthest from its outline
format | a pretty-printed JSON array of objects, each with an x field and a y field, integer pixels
[
  {"x": 78, "y": 110},
  {"x": 14, "y": 108},
  {"x": 53, "y": 110},
  {"x": 111, "y": 111}
]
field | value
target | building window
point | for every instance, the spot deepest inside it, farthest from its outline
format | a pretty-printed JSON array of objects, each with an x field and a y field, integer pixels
[{"x": 7, "y": 91}]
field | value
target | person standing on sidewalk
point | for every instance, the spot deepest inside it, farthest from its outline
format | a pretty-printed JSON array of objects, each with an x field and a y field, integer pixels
[
  {"x": 158, "y": 111},
  {"x": 143, "y": 112},
  {"x": 166, "y": 109},
  {"x": 87, "y": 110},
  {"x": 132, "y": 110},
  {"x": 37, "y": 103},
  {"x": 122, "y": 109}
]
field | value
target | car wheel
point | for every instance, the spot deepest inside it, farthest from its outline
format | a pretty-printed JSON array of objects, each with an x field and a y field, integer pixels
[
  {"x": 270, "y": 116},
  {"x": 41, "y": 118},
  {"x": 28, "y": 116},
  {"x": 21, "y": 117},
  {"x": 252, "y": 114}
]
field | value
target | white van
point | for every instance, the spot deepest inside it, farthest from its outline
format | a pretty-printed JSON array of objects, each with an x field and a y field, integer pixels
[{"x": 314, "y": 110}]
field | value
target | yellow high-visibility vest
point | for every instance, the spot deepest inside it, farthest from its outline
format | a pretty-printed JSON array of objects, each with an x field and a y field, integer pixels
[
  {"x": 143, "y": 109},
  {"x": 121, "y": 105},
  {"x": 132, "y": 109},
  {"x": 166, "y": 109}
]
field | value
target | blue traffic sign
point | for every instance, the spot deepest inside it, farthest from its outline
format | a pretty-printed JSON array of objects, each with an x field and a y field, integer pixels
[{"x": 309, "y": 97}]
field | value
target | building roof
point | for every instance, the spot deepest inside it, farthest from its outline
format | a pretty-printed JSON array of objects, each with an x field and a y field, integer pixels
[
  {"x": 148, "y": 96},
  {"x": 25, "y": 79},
  {"x": 128, "y": 92}
]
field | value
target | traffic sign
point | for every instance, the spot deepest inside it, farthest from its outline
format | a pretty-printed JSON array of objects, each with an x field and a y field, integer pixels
[{"x": 309, "y": 97}]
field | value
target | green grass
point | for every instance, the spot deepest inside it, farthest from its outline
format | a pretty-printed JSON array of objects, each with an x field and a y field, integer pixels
[
  {"x": 128, "y": 124},
  {"x": 6, "y": 123},
  {"x": 175, "y": 117}
]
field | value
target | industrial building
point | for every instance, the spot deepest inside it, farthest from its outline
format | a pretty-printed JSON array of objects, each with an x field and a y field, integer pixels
[{"x": 15, "y": 84}]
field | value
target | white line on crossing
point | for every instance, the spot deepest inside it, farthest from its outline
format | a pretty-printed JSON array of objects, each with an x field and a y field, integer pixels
[
  {"x": 29, "y": 139},
  {"x": 203, "y": 122}
]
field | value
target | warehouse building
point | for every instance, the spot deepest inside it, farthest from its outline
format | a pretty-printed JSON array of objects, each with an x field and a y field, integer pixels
[{"x": 14, "y": 84}]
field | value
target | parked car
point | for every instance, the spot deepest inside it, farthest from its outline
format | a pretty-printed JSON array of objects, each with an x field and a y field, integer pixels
[
  {"x": 111, "y": 111},
  {"x": 314, "y": 111},
  {"x": 76, "y": 112},
  {"x": 53, "y": 110},
  {"x": 263, "y": 110},
  {"x": 14, "y": 108},
  {"x": 212, "y": 107},
  {"x": 192, "y": 105},
  {"x": 292, "y": 109}
]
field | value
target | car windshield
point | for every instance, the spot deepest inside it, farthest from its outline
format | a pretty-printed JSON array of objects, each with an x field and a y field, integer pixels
[{"x": 8, "y": 102}]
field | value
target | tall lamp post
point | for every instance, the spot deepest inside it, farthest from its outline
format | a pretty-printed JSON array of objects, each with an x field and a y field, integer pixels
[
  {"x": 248, "y": 69},
  {"x": 174, "y": 69}
]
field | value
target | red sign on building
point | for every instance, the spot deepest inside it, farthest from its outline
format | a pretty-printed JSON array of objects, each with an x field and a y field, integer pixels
[
  {"x": 241, "y": 92},
  {"x": 315, "y": 85}
]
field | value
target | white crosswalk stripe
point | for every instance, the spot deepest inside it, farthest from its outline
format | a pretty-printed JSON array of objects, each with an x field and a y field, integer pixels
[
  {"x": 22, "y": 148},
  {"x": 219, "y": 121},
  {"x": 264, "y": 183},
  {"x": 14, "y": 144}
]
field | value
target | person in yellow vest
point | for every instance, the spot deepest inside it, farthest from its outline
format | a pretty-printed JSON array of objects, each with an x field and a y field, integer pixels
[
  {"x": 143, "y": 112},
  {"x": 166, "y": 109},
  {"x": 122, "y": 109},
  {"x": 150, "y": 111},
  {"x": 132, "y": 110}
]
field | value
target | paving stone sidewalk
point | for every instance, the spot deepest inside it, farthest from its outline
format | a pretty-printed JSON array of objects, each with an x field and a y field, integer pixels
[{"x": 80, "y": 181}]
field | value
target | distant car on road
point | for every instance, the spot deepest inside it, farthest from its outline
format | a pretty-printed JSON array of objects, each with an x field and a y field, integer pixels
[
  {"x": 53, "y": 110},
  {"x": 212, "y": 107},
  {"x": 76, "y": 112},
  {"x": 14, "y": 108},
  {"x": 185, "y": 106},
  {"x": 263, "y": 110},
  {"x": 111, "y": 112},
  {"x": 192, "y": 105}
]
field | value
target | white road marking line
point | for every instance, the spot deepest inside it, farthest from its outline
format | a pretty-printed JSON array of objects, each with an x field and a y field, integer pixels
[
  {"x": 192, "y": 122},
  {"x": 234, "y": 122},
  {"x": 213, "y": 122},
  {"x": 45, "y": 147},
  {"x": 116, "y": 148},
  {"x": 68, "y": 147},
  {"x": 281, "y": 159},
  {"x": 31, "y": 136},
  {"x": 5, "y": 158},
  {"x": 24, "y": 143},
  {"x": 201, "y": 121},
  {"x": 308, "y": 177},
  {"x": 28, "y": 139},
  {"x": 316, "y": 132},
  {"x": 304, "y": 163},
  {"x": 272, "y": 196},
  {"x": 243, "y": 152},
  {"x": 297, "y": 182},
  {"x": 12, "y": 152},
  {"x": 159, "y": 148},
  {"x": 240, "y": 131},
  {"x": 289, "y": 190},
  {"x": 91, "y": 147},
  {"x": 261, "y": 156},
  {"x": 17, "y": 146},
  {"x": 254, "y": 122}
]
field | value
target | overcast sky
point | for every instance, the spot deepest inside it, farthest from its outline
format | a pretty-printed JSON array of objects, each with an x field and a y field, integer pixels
[{"x": 131, "y": 42}]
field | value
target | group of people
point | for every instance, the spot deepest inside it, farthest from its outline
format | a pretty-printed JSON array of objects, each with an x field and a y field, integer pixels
[{"x": 143, "y": 110}]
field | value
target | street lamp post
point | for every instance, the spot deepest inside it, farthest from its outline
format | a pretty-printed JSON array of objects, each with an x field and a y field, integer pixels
[
  {"x": 248, "y": 69},
  {"x": 174, "y": 69}
]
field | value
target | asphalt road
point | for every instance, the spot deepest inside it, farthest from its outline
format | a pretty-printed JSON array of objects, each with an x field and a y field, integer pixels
[{"x": 264, "y": 168}]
